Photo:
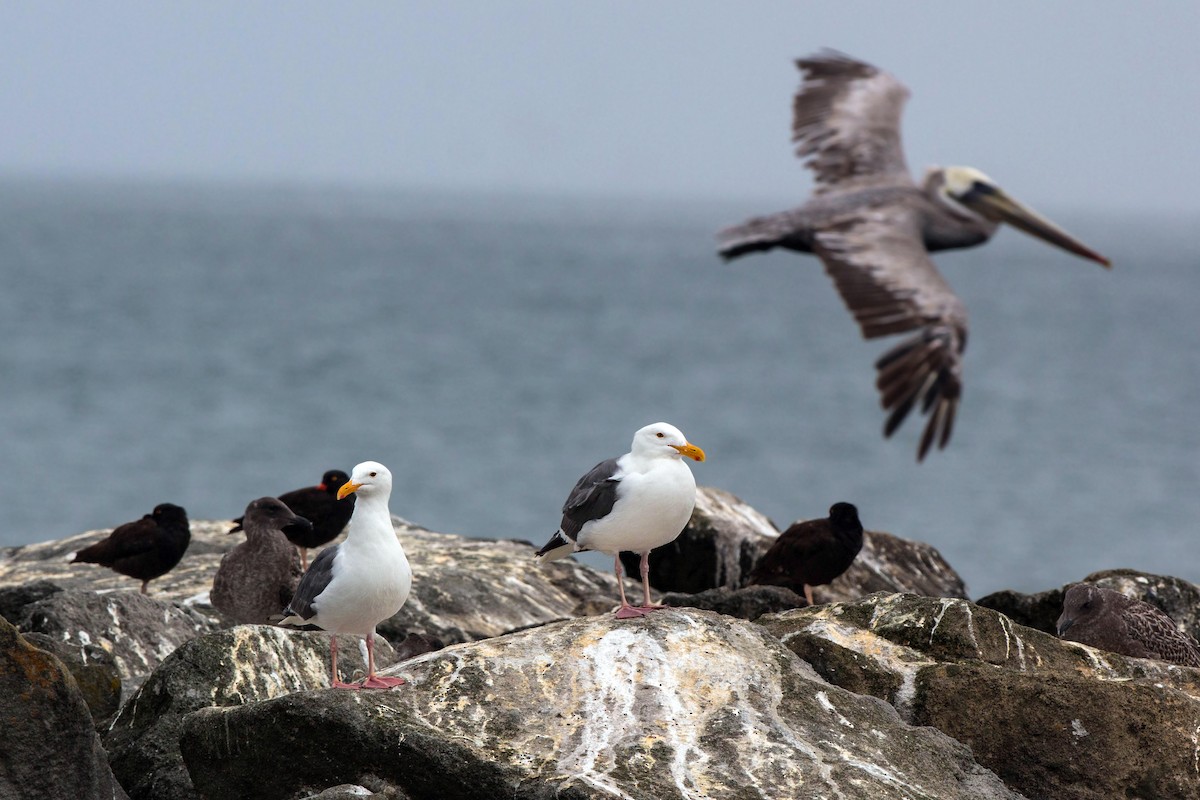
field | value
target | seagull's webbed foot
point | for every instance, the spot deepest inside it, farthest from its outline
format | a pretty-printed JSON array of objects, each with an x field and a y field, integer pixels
[
  {"x": 338, "y": 684},
  {"x": 629, "y": 612},
  {"x": 380, "y": 682}
]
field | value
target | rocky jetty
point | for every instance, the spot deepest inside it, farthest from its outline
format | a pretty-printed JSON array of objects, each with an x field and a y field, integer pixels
[{"x": 898, "y": 687}]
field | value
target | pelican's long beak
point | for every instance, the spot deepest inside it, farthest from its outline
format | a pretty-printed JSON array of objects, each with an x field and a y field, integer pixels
[
  {"x": 992, "y": 202},
  {"x": 349, "y": 487},
  {"x": 690, "y": 450}
]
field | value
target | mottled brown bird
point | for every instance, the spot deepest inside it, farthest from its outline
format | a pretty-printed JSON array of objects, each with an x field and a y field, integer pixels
[
  {"x": 812, "y": 553},
  {"x": 145, "y": 549},
  {"x": 256, "y": 580},
  {"x": 1108, "y": 620}
]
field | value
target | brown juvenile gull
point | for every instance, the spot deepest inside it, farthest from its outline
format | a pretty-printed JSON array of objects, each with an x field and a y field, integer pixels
[
  {"x": 812, "y": 553},
  {"x": 1108, "y": 620},
  {"x": 145, "y": 549},
  {"x": 256, "y": 580},
  {"x": 633, "y": 503},
  {"x": 873, "y": 228},
  {"x": 319, "y": 505},
  {"x": 358, "y": 583}
]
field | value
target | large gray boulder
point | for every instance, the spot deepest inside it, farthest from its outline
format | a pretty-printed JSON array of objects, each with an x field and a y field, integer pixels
[
  {"x": 95, "y": 672},
  {"x": 1053, "y": 719},
  {"x": 49, "y": 749},
  {"x": 242, "y": 664},
  {"x": 681, "y": 704},
  {"x": 137, "y": 630}
]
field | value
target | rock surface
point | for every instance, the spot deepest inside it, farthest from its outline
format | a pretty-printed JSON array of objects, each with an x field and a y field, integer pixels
[
  {"x": 750, "y": 602},
  {"x": 94, "y": 670},
  {"x": 889, "y": 563},
  {"x": 242, "y": 664},
  {"x": 1054, "y": 719},
  {"x": 682, "y": 704},
  {"x": 137, "y": 630},
  {"x": 40, "y": 704}
]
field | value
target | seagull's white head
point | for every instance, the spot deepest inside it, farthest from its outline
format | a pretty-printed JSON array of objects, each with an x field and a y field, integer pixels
[
  {"x": 662, "y": 439},
  {"x": 368, "y": 478}
]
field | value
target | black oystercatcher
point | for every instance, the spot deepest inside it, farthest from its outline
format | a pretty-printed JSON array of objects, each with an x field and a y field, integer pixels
[
  {"x": 633, "y": 503},
  {"x": 812, "y": 553},
  {"x": 256, "y": 580},
  {"x": 145, "y": 549},
  {"x": 353, "y": 586},
  {"x": 1108, "y": 620},
  {"x": 320, "y": 506}
]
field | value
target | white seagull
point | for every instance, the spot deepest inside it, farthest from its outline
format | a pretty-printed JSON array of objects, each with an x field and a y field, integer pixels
[
  {"x": 634, "y": 503},
  {"x": 353, "y": 586}
]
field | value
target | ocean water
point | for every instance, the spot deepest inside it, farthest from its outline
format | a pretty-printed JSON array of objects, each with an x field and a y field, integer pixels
[{"x": 207, "y": 344}]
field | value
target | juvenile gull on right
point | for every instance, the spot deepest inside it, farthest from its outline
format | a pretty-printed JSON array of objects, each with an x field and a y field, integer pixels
[{"x": 1108, "y": 620}]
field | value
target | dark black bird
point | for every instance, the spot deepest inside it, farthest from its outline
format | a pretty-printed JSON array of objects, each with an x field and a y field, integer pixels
[
  {"x": 812, "y": 553},
  {"x": 320, "y": 506},
  {"x": 145, "y": 549},
  {"x": 1108, "y": 620},
  {"x": 256, "y": 580}
]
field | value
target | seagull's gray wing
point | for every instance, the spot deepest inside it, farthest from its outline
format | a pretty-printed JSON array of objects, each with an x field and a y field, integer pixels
[
  {"x": 846, "y": 122},
  {"x": 881, "y": 269}
]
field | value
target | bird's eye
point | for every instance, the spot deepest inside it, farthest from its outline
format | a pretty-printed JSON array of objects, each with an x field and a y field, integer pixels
[
  {"x": 661, "y": 435},
  {"x": 373, "y": 474}
]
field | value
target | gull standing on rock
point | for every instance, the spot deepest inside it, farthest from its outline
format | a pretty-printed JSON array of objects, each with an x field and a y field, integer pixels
[
  {"x": 634, "y": 503},
  {"x": 353, "y": 586}
]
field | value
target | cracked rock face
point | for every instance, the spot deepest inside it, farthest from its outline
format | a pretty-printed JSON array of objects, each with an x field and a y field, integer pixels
[
  {"x": 40, "y": 705},
  {"x": 682, "y": 704},
  {"x": 243, "y": 664},
  {"x": 1052, "y": 718}
]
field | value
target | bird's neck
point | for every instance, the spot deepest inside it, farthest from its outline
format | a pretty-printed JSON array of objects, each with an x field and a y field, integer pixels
[{"x": 371, "y": 515}]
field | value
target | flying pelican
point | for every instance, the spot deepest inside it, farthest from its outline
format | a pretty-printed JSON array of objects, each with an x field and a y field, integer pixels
[{"x": 874, "y": 228}]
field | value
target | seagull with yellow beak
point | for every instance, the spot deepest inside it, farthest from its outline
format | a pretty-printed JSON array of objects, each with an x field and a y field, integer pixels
[
  {"x": 637, "y": 502},
  {"x": 353, "y": 586}
]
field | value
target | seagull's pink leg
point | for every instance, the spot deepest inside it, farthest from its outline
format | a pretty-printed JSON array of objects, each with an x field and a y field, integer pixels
[
  {"x": 645, "y": 568},
  {"x": 626, "y": 611},
  {"x": 372, "y": 680},
  {"x": 337, "y": 683}
]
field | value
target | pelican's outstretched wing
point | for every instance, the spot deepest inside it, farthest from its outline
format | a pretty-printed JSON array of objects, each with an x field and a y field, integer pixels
[
  {"x": 883, "y": 273},
  {"x": 846, "y": 122}
]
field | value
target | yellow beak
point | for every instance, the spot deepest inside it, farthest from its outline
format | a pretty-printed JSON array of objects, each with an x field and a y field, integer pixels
[
  {"x": 349, "y": 487},
  {"x": 690, "y": 450}
]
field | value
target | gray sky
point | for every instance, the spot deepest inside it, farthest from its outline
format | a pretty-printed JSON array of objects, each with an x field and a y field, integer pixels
[{"x": 1056, "y": 101}]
